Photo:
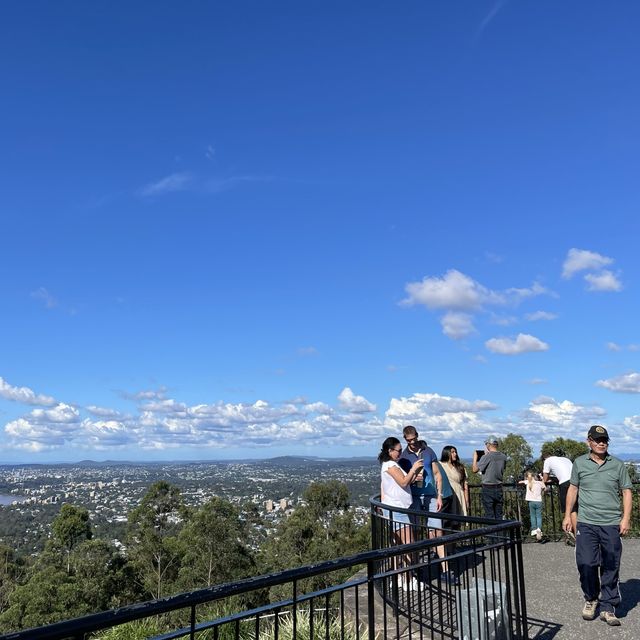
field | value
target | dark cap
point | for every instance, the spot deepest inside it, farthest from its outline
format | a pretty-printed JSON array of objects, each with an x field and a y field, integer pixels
[
  {"x": 596, "y": 431},
  {"x": 491, "y": 440}
]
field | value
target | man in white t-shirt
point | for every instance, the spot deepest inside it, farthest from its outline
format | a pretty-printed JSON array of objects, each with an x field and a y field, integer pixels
[{"x": 560, "y": 466}]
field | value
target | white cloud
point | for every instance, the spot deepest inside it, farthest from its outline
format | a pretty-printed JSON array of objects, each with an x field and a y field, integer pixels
[
  {"x": 546, "y": 419},
  {"x": 174, "y": 182},
  {"x": 457, "y": 325},
  {"x": 538, "y": 381},
  {"x": 536, "y": 289},
  {"x": 43, "y": 295},
  {"x": 581, "y": 260},
  {"x": 440, "y": 419},
  {"x": 523, "y": 343},
  {"x": 614, "y": 346},
  {"x": 541, "y": 315},
  {"x": 353, "y": 403},
  {"x": 44, "y": 428},
  {"x": 455, "y": 291},
  {"x": 103, "y": 412},
  {"x": 626, "y": 383},
  {"x": 24, "y": 395},
  {"x": 461, "y": 296},
  {"x": 603, "y": 281}
]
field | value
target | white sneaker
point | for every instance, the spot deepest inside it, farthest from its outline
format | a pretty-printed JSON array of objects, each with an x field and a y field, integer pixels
[
  {"x": 411, "y": 585},
  {"x": 534, "y": 533}
]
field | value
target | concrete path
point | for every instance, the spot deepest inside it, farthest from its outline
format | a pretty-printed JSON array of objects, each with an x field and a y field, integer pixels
[{"x": 554, "y": 598}]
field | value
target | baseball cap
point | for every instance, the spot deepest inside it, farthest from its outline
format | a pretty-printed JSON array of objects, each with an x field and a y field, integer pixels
[
  {"x": 491, "y": 440},
  {"x": 596, "y": 431}
]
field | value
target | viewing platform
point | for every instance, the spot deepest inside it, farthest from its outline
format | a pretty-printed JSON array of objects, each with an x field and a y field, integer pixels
[
  {"x": 488, "y": 586},
  {"x": 554, "y": 598}
]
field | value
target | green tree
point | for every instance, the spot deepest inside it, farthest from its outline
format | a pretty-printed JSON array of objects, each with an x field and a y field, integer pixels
[
  {"x": 519, "y": 456},
  {"x": 50, "y": 595},
  {"x": 325, "y": 527},
  {"x": 10, "y": 572},
  {"x": 214, "y": 551},
  {"x": 152, "y": 535},
  {"x": 70, "y": 527},
  {"x": 104, "y": 577},
  {"x": 564, "y": 447}
]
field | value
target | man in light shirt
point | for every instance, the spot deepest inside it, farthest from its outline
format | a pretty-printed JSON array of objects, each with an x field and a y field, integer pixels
[{"x": 560, "y": 466}]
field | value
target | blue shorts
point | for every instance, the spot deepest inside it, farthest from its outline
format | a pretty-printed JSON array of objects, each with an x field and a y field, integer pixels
[{"x": 399, "y": 519}]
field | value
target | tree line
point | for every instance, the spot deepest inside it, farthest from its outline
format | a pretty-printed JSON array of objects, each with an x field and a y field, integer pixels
[{"x": 169, "y": 548}]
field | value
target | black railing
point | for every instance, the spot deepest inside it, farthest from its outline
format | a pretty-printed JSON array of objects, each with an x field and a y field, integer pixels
[
  {"x": 516, "y": 508},
  {"x": 469, "y": 580},
  {"x": 367, "y": 596}
]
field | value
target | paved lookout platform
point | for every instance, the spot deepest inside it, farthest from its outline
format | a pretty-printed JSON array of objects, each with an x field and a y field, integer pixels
[{"x": 554, "y": 598}]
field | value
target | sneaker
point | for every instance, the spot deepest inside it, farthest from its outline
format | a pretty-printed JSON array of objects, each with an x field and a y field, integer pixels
[
  {"x": 533, "y": 533},
  {"x": 610, "y": 618},
  {"x": 411, "y": 585},
  {"x": 538, "y": 535},
  {"x": 589, "y": 609}
]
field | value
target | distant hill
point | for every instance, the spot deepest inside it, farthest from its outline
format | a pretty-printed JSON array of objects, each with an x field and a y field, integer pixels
[{"x": 282, "y": 461}]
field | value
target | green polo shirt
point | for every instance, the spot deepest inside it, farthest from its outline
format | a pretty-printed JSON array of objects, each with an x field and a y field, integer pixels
[{"x": 599, "y": 487}]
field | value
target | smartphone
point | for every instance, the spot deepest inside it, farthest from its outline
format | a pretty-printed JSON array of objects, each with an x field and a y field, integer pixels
[{"x": 480, "y": 453}]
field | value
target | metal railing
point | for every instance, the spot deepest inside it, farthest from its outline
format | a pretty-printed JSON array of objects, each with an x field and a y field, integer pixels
[
  {"x": 368, "y": 596},
  {"x": 516, "y": 508},
  {"x": 469, "y": 574}
]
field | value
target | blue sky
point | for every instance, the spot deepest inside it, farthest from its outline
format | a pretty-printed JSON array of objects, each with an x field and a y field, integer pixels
[{"x": 250, "y": 229}]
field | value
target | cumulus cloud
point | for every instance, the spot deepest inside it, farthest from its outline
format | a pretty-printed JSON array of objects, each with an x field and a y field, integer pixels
[
  {"x": 523, "y": 343},
  {"x": 457, "y": 325},
  {"x": 612, "y": 346},
  {"x": 541, "y": 315},
  {"x": 626, "y": 383},
  {"x": 545, "y": 419},
  {"x": 44, "y": 428},
  {"x": 581, "y": 260},
  {"x": 353, "y": 403},
  {"x": 454, "y": 291},
  {"x": 24, "y": 395},
  {"x": 174, "y": 182},
  {"x": 604, "y": 281},
  {"x": 440, "y": 419},
  {"x": 103, "y": 412},
  {"x": 166, "y": 423},
  {"x": 460, "y": 296}
]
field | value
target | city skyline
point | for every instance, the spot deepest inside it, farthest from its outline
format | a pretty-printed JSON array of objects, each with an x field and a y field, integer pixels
[{"x": 251, "y": 231}]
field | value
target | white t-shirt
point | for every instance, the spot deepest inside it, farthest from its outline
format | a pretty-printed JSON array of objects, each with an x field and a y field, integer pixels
[
  {"x": 534, "y": 494},
  {"x": 559, "y": 467},
  {"x": 393, "y": 493}
]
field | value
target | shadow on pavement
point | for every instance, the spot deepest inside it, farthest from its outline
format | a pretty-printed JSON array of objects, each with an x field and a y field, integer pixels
[
  {"x": 630, "y": 591},
  {"x": 543, "y": 630}
]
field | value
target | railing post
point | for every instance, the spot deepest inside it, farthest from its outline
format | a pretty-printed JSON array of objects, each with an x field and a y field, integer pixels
[{"x": 371, "y": 605}]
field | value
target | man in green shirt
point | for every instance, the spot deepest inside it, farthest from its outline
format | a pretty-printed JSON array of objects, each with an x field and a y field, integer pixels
[{"x": 599, "y": 478}]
